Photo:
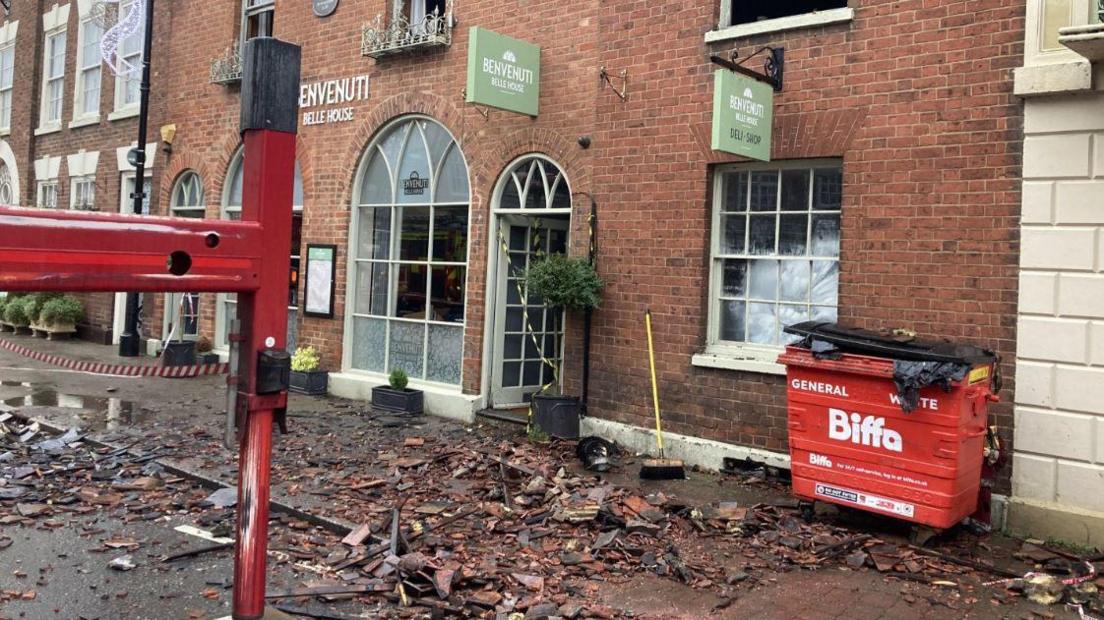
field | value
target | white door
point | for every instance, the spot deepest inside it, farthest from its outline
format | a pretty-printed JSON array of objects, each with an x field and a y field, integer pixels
[{"x": 528, "y": 336}]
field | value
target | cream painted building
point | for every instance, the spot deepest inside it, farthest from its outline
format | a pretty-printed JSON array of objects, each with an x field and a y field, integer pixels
[{"x": 1058, "y": 463}]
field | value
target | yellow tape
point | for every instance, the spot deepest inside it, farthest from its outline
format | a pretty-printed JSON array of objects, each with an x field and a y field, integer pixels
[{"x": 981, "y": 373}]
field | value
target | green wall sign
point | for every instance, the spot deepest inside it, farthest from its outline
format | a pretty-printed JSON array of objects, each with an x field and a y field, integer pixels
[
  {"x": 503, "y": 72},
  {"x": 743, "y": 110}
]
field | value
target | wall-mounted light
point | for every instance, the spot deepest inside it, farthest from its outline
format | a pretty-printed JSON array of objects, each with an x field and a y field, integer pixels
[{"x": 168, "y": 134}]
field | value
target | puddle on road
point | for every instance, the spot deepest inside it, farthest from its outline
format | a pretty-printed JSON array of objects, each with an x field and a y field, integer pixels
[{"x": 109, "y": 413}]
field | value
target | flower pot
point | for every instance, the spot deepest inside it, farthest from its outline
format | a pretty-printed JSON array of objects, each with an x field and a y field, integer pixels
[
  {"x": 207, "y": 358},
  {"x": 179, "y": 353},
  {"x": 54, "y": 331},
  {"x": 386, "y": 398},
  {"x": 312, "y": 382},
  {"x": 557, "y": 415}
]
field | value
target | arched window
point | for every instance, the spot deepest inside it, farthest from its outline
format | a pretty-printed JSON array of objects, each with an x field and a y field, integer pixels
[
  {"x": 231, "y": 210},
  {"x": 187, "y": 196},
  {"x": 535, "y": 183},
  {"x": 409, "y": 244},
  {"x": 182, "y": 309},
  {"x": 7, "y": 193}
]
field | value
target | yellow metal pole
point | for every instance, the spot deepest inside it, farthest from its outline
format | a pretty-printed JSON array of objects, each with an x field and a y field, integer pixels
[{"x": 655, "y": 386}]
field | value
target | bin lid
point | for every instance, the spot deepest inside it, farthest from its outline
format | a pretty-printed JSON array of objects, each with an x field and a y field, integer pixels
[{"x": 867, "y": 342}]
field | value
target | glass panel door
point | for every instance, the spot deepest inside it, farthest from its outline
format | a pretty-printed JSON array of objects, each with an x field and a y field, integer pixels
[{"x": 528, "y": 334}]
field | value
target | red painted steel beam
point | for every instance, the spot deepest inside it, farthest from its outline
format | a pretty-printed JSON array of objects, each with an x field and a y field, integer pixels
[{"x": 48, "y": 250}]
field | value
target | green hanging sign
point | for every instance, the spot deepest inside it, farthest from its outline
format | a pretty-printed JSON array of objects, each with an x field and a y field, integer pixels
[
  {"x": 503, "y": 72},
  {"x": 743, "y": 110}
]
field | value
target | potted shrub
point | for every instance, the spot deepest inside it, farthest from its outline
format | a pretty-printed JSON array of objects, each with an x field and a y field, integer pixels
[
  {"x": 565, "y": 283},
  {"x": 396, "y": 396},
  {"x": 204, "y": 355},
  {"x": 15, "y": 314},
  {"x": 179, "y": 353},
  {"x": 59, "y": 316},
  {"x": 306, "y": 378},
  {"x": 4, "y": 299}
]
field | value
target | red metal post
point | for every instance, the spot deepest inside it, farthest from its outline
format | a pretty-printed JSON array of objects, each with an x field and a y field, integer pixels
[{"x": 270, "y": 88}]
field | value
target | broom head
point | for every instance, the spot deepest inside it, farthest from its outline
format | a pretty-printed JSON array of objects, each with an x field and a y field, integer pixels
[{"x": 663, "y": 469}]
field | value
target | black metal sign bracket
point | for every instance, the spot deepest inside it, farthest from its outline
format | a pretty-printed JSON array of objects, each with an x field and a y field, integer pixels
[{"x": 773, "y": 66}]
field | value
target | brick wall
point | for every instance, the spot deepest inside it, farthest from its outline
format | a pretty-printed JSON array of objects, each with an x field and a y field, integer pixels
[
  {"x": 104, "y": 136},
  {"x": 914, "y": 96}
]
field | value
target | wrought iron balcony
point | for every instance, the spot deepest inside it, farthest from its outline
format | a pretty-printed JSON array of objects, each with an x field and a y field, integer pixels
[
  {"x": 227, "y": 69},
  {"x": 400, "y": 35}
]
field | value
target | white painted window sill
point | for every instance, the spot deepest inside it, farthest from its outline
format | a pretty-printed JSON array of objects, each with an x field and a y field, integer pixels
[
  {"x": 5, "y": 132},
  {"x": 794, "y": 22},
  {"x": 1069, "y": 76},
  {"x": 48, "y": 129},
  {"x": 121, "y": 114},
  {"x": 85, "y": 121},
  {"x": 760, "y": 360}
]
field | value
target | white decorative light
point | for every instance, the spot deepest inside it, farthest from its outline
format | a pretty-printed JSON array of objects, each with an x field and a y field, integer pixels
[{"x": 130, "y": 24}]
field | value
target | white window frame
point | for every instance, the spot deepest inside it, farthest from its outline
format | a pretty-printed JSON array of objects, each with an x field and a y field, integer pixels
[
  {"x": 251, "y": 9},
  {"x": 43, "y": 194},
  {"x": 86, "y": 70},
  {"x": 82, "y": 185},
  {"x": 46, "y": 123},
  {"x": 812, "y": 19},
  {"x": 123, "y": 109},
  {"x": 747, "y": 356},
  {"x": 7, "y": 87}
]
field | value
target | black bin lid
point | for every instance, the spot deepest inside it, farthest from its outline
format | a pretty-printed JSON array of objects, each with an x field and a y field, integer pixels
[{"x": 867, "y": 342}]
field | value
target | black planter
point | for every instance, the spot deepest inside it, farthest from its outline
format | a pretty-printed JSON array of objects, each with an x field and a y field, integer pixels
[
  {"x": 312, "y": 383},
  {"x": 179, "y": 353},
  {"x": 557, "y": 415},
  {"x": 207, "y": 358},
  {"x": 400, "y": 401}
]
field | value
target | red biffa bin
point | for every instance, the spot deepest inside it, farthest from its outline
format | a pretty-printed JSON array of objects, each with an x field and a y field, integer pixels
[{"x": 852, "y": 443}]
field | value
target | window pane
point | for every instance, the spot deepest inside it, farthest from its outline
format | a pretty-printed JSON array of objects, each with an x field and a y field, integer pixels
[
  {"x": 735, "y": 191},
  {"x": 414, "y": 173},
  {"x": 825, "y": 288},
  {"x": 790, "y": 315},
  {"x": 411, "y": 296},
  {"x": 510, "y": 198},
  {"x": 732, "y": 321},
  {"x": 734, "y": 229},
  {"x": 511, "y": 348},
  {"x": 374, "y": 234},
  {"x": 376, "y": 186},
  {"x": 532, "y": 373},
  {"x": 734, "y": 278},
  {"x": 235, "y": 198},
  {"x": 446, "y": 348},
  {"x": 297, "y": 187},
  {"x": 824, "y": 313},
  {"x": 450, "y": 234},
  {"x": 764, "y": 191},
  {"x": 511, "y": 374},
  {"x": 793, "y": 235},
  {"x": 447, "y": 300},
  {"x": 518, "y": 237},
  {"x": 371, "y": 291},
  {"x": 826, "y": 235},
  {"x": 369, "y": 344},
  {"x": 762, "y": 234},
  {"x": 762, "y": 325},
  {"x": 515, "y": 320},
  {"x": 436, "y": 138},
  {"x": 827, "y": 189},
  {"x": 764, "y": 279},
  {"x": 414, "y": 238},
  {"x": 407, "y": 347},
  {"x": 562, "y": 197},
  {"x": 794, "y": 283},
  {"x": 795, "y": 190},
  {"x": 452, "y": 186}
]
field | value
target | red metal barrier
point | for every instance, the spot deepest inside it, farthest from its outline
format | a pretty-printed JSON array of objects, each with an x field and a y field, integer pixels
[{"x": 48, "y": 250}]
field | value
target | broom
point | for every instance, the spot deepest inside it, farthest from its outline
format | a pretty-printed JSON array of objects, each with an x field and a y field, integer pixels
[{"x": 661, "y": 468}]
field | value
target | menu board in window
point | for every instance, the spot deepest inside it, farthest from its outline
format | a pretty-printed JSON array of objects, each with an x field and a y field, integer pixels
[{"x": 321, "y": 272}]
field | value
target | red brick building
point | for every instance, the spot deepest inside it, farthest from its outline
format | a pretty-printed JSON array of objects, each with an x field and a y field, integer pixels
[
  {"x": 891, "y": 198},
  {"x": 68, "y": 121}
]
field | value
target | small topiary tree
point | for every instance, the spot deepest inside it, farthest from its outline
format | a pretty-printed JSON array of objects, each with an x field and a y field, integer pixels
[
  {"x": 398, "y": 379},
  {"x": 565, "y": 282}
]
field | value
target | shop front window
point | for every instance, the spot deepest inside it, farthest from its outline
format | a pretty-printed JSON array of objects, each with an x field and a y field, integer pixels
[
  {"x": 776, "y": 247},
  {"x": 409, "y": 242},
  {"x": 231, "y": 210}
]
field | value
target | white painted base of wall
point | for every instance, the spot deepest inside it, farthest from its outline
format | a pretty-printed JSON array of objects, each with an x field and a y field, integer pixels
[
  {"x": 441, "y": 402},
  {"x": 1049, "y": 521},
  {"x": 704, "y": 453}
]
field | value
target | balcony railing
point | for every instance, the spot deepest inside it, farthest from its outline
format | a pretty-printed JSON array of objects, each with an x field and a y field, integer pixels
[
  {"x": 227, "y": 69},
  {"x": 401, "y": 36}
]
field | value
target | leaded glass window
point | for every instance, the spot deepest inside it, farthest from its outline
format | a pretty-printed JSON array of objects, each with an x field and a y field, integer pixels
[{"x": 410, "y": 250}]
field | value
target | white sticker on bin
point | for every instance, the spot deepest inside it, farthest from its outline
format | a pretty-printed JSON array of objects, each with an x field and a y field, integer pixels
[{"x": 865, "y": 500}]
